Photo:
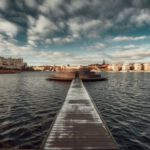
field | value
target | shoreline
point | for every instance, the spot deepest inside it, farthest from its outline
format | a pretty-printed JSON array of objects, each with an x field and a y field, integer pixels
[{"x": 9, "y": 71}]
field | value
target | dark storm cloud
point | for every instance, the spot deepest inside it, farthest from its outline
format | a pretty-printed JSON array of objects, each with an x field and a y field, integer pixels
[
  {"x": 76, "y": 18},
  {"x": 66, "y": 21},
  {"x": 46, "y": 23},
  {"x": 89, "y": 18}
]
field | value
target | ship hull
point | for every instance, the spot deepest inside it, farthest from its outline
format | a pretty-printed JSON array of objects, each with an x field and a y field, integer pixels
[
  {"x": 70, "y": 79},
  {"x": 83, "y": 75}
]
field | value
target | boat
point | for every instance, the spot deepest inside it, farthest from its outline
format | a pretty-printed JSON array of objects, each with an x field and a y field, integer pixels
[{"x": 84, "y": 75}]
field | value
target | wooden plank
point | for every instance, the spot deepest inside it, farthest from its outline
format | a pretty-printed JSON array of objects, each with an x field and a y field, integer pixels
[{"x": 78, "y": 126}]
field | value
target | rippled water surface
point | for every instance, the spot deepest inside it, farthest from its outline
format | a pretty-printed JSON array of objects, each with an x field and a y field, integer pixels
[
  {"x": 124, "y": 102},
  {"x": 29, "y": 103}
]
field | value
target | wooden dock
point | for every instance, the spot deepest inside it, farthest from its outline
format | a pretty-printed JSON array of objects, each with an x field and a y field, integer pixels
[{"x": 78, "y": 125}]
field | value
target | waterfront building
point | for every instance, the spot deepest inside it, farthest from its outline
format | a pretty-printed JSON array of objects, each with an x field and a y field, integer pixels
[
  {"x": 131, "y": 66},
  {"x": 146, "y": 66},
  {"x": 137, "y": 67},
  {"x": 38, "y": 68},
  {"x": 43, "y": 68},
  {"x": 114, "y": 67},
  {"x": 125, "y": 67},
  {"x": 12, "y": 63},
  {"x": 71, "y": 68},
  {"x": 67, "y": 68},
  {"x": 109, "y": 67}
]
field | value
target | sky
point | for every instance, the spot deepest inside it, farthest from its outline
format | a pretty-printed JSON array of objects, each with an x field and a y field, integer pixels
[{"x": 76, "y": 32}]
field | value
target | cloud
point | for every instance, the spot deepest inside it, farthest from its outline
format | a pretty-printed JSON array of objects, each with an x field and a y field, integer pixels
[
  {"x": 82, "y": 19},
  {"x": 87, "y": 60},
  {"x": 36, "y": 56},
  {"x": 95, "y": 47},
  {"x": 8, "y": 28},
  {"x": 41, "y": 28},
  {"x": 52, "y": 4},
  {"x": 32, "y": 54},
  {"x": 3, "y": 4},
  {"x": 140, "y": 3},
  {"x": 132, "y": 55},
  {"x": 60, "y": 40},
  {"x": 124, "y": 47},
  {"x": 42, "y": 24},
  {"x": 49, "y": 6},
  {"x": 31, "y": 3},
  {"x": 125, "y": 15},
  {"x": 141, "y": 18},
  {"x": 2, "y": 44},
  {"x": 129, "y": 46},
  {"x": 76, "y": 5},
  {"x": 83, "y": 27},
  {"x": 133, "y": 16},
  {"x": 128, "y": 38},
  {"x": 99, "y": 46}
]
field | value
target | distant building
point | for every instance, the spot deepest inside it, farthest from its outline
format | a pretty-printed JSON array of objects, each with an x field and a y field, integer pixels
[
  {"x": 146, "y": 66},
  {"x": 38, "y": 68},
  {"x": 131, "y": 65},
  {"x": 114, "y": 67},
  {"x": 12, "y": 63},
  {"x": 72, "y": 67},
  {"x": 137, "y": 67},
  {"x": 125, "y": 67}
]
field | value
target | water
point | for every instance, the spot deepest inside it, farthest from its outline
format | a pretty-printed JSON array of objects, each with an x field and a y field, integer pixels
[
  {"x": 29, "y": 103},
  {"x": 124, "y": 102}
]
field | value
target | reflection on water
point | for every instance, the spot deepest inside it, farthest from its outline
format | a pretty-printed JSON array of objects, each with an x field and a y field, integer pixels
[{"x": 29, "y": 103}]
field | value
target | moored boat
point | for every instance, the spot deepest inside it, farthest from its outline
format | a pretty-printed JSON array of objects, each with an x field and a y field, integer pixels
[{"x": 85, "y": 75}]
